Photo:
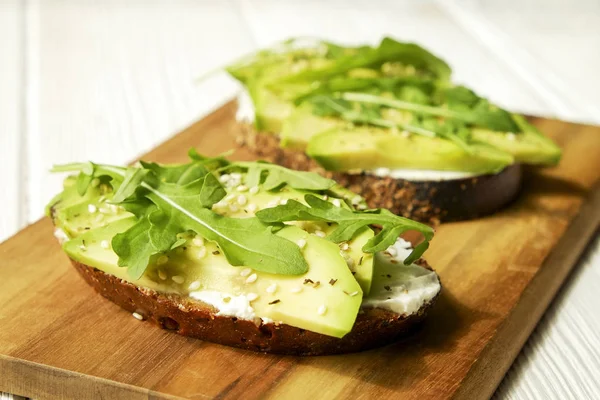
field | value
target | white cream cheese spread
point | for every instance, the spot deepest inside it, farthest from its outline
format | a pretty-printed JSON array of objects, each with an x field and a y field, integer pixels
[
  {"x": 403, "y": 289},
  {"x": 420, "y": 174}
]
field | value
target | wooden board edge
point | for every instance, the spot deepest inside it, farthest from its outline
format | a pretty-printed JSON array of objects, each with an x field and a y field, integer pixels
[
  {"x": 496, "y": 358},
  {"x": 30, "y": 379}
]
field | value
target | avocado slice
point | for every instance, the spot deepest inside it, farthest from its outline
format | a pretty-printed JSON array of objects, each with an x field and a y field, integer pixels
[
  {"x": 308, "y": 301},
  {"x": 302, "y": 125},
  {"x": 368, "y": 149},
  {"x": 528, "y": 146}
]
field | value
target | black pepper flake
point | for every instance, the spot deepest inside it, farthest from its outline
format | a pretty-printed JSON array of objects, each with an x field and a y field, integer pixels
[
  {"x": 216, "y": 252},
  {"x": 87, "y": 228},
  {"x": 332, "y": 281},
  {"x": 317, "y": 283},
  {"x": 394, "y": 261},
  {"x": 353, "y": 272},
  {"x": 308, "y": 281},
  {"x": 185, "y": 248},
  {"x": 275, "y": 301},
  {"x": 388, "y": 275},
  {"x": 386, "y": 287},
  {"x": 360, "y": 261}
]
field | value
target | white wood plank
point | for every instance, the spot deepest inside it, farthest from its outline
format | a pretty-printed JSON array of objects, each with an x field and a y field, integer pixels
[
  {"x": 12, "y": 166},
  {"x": 561, "y": 359},
  {"x": 553, "y": 46},
  {"x": 115, "y": 79}
]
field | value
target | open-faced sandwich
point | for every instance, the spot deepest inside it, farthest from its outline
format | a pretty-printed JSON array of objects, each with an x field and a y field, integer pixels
[
  {"x": 387, "y": 123},
  {"x": 246, "y": 254}
]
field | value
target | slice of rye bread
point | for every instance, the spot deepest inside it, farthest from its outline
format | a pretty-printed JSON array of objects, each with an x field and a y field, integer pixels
[
  {"x": 430, "y": 202},
  {"x": 374, "y": 327}
]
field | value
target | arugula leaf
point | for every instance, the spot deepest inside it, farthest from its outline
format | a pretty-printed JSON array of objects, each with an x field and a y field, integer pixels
[
  {"x": 175, "y": 199},
  {"x": 350, "y": 223},
  {"x": 277, "y": 176}
]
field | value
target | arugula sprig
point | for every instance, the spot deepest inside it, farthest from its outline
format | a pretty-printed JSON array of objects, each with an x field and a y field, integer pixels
[
  {"x": 171, "y": 200},
  {"x": 350, "y": 223}
]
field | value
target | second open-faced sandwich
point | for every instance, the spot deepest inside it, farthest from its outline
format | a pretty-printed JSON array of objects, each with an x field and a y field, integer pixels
[
  {"x": 246, "y": 254},
  {"x": 386, "y": 122}
]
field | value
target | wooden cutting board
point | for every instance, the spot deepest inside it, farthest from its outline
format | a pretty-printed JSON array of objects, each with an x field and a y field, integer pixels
[{"x": 60, "y": 339}]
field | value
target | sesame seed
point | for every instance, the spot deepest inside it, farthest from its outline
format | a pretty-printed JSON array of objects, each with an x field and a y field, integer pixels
[
  {"x": 221, "y": 204},
  {"x": 242, "y": 188},
  {"x": 178, "y": 279},
  {"x": 105, "y": 244},
  {"x": 246, "y": 272},
  {"x": 325, "y": 197},
  {"x": 95, "y": 182},
  {"x": 344, "y": 246},
  {"x": 233, "y": 208},
  {"x": 272, "y": 203},
  {"x": 283, "y": 202},
  {"x": 201, "y": 253},
  {"x": 236, "y": 175},
  {"x": 337, "y": 202},
  {"x": 82, "y": 247},
  {"x": 405, "y": 134},
  {"x": 356, "y": 200},
  {"x": 224, "y": 178},
  {"x": 301, "y": 243},
  {"x": 392, "y": 252},
  {"x": 511, "y": 136},
  {"x": 138, "y": 316},
  {"x": 362, "y": 207},
  {"x": 353, "y": 294},
  {"x": 350, "y": 262},
  {"x": 198, "y": 241},
  {"x": 252, "y": 278},
  {"x": 242, "y": 200},
  {"x": 162, "y": 274},
  {"x": 252, "y": 207},
  {"x": 229, "y": 197},
  {"x": 322, "y": 309},
  {"x": 272, "y": 288},
  {"x": 194, "y": 285},
  {"x": 99, "y": 218},
  {"x": 296, "y": 289},
  {"x": 254, "y": 190},
  {"x": 251, "y": 296},
  {"x": 320, "y": 233},
  {"x": 92, "y": 208},
  {"x": 162, "y": 260}
]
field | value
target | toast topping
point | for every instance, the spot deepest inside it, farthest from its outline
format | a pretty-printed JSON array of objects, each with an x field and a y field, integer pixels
[
  {"x": 174, "y": 230},
  {"x": 316, "y": 100}
]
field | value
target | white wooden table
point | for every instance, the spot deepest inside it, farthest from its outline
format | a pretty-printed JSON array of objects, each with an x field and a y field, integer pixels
[{"x": 108, "y": 80}]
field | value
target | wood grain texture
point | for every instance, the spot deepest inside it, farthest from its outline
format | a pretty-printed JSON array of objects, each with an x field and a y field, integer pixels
[{"x": 499, "y": 274}]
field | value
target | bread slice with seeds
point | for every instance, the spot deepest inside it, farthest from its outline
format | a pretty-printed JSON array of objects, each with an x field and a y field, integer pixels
[
  {"x": 430, "y": 201},
  {"x": 302, "y": 272},
  {"x": 374, "y": 327}
]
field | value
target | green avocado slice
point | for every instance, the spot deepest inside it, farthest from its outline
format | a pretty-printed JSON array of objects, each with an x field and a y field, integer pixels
[
  {"x": 528, "y": 146},
  {"x": 324, "y": 300},
  {"x": 368, "y": 149},
  {"x": 302, "y": 125}
]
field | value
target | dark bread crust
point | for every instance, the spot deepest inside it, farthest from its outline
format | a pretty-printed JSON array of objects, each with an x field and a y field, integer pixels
[
  {"x": 426, "y": 201},
  {"x": 373, "y": 327}
]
